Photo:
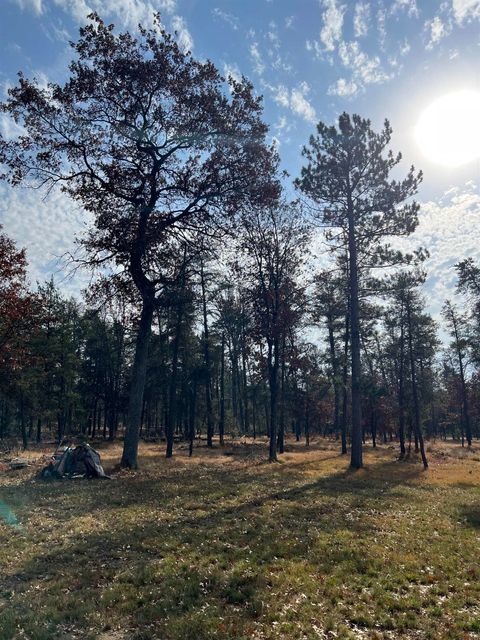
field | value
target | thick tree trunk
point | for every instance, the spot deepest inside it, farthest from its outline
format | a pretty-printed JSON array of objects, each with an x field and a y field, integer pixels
[
  {"x": 139, "y": 372},
  {"x": 356, "y": 455}
]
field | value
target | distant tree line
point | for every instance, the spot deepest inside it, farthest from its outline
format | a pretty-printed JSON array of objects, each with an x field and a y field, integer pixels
[{"x": 209, "y": 316}]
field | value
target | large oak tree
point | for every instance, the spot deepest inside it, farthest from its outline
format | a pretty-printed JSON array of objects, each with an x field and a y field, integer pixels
[{"x": 151, "y": 142}]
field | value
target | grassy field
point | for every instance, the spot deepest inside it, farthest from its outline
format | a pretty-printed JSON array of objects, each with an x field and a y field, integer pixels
[{"x": 228, "y": 546}]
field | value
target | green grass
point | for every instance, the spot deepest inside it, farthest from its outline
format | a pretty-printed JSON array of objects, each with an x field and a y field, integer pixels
[{"x": 230, "y": 547}]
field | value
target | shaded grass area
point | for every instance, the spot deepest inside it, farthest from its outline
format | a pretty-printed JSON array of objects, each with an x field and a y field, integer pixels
[{"x": 230, "y": 547}]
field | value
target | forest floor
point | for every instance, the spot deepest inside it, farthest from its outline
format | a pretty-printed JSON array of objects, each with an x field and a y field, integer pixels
[{"x": 228, "y": 546}]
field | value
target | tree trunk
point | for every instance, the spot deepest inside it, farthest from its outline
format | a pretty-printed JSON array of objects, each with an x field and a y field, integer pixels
[
  {"x": 401, "y": 390},
  {"x": 416, "y": 404},
  {"x": 344, "y": 386},
  {"x": 273, "y": 365},
  {"x": 23, "y": 423},
  {"x": 356, "y": 454},
  {"x": 191, "y": 426},
  {"x": 221, "y": 424},
  {"x": 139, "y": 372},
  {"x": 335, "y": 381},
  {"x": 208, "y": 375},
  {"x": 465, "y": 407},
  {"x": 281, "y": 426},
  {"x": 172, "y": 400}
]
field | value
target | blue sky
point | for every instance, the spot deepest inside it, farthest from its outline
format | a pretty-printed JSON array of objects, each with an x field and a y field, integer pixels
[{"x": 311, "y": 59}]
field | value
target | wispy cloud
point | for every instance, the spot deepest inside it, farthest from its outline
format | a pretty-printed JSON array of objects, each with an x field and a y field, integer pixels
[
  {"x": 449, "y": 228},
  {"x": 34, "y": 5},
  {"x": 229, "y": 18},
  {"x": 409, "y": 6},
  {"x": 184, "y": 37},
  {"x": 464, "y": 10},
  {"x": 437, "y": 30},
  {"x": 128, "y": 13},
  {"x": 47, "y": 228},
  {"x": 343, "y": 88},
  {"x": 9, "y": 129},
  {"x": 295, "y": 99},
  {"x": 331, "y": 31},
  {"x": 232, "y": 71},
  {"x": 256, "y": 58},
  {"x": 361, "y": 19},
  {"x": 365, "y": 69}
]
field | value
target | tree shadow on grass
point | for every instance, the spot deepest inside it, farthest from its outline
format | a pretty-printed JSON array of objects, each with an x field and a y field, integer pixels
[
  {"x": 240, "y": 489},
  {"x": 184, "y": 551},
  {"x": 470, "y": 515}
]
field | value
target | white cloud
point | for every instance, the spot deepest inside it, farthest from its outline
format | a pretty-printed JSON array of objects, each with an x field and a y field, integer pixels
[
  {"x": 281, "y": 95},
  {"x": 257, "y": 60},
  {"x": 295, "y": 100},
  {"x": 315, "y": 47},
  {"x": 128, "y": 13},
  {"x": 361, "y": 19},
  {"x": 466, "y": 10},
  {"x": 410, "y": 6},
  {"x": 232, "y": 70},
  {"x": 343, "y": 88},
  {"x": 34, "y": 5},
  {"x": 300, "y": 105},
  {"x": 47, "y": 229},
  {"x": 185, "y": 40},
  {"x": 381, "y": 26},
  {"x": 405, "y": 48},
  {"x": 229, "y": 18},
  {"x": 281, "y": 124},
  {"x": 9, "y": 129},
  {"x": 331, "y": 31},
  {"x": 438, "y": 30},
  {"x": 365, "y": 70},
  {"x": 449, "y": 229}
]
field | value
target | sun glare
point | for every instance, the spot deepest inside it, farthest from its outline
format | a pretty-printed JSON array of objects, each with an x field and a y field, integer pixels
[{"x": 448, "y": 131}]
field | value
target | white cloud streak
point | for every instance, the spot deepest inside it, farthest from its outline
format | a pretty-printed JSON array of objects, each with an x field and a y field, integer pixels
[
  {"x": 128, "y": 13},
  {"x": 437, "y": 30},
  {"x": 464, "y": 10},
  {"x": 295, "y": 99},
  {"x": 47, "y": 229},
  {"x": 185, "y": 40},
  {"x": 331, "y": 31},
  {"x": 32, "y": 5},
  {"x": 256, "y": 58},
  {"x": 361, "y": 19},
  {"x": 343, "y": 88}
]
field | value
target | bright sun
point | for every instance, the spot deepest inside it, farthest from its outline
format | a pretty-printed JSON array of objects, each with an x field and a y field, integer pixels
[{"x": 448, "y": 131}]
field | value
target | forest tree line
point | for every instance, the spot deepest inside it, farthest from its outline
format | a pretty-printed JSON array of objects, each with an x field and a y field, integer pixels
[{"x": 214, "y": 313}]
